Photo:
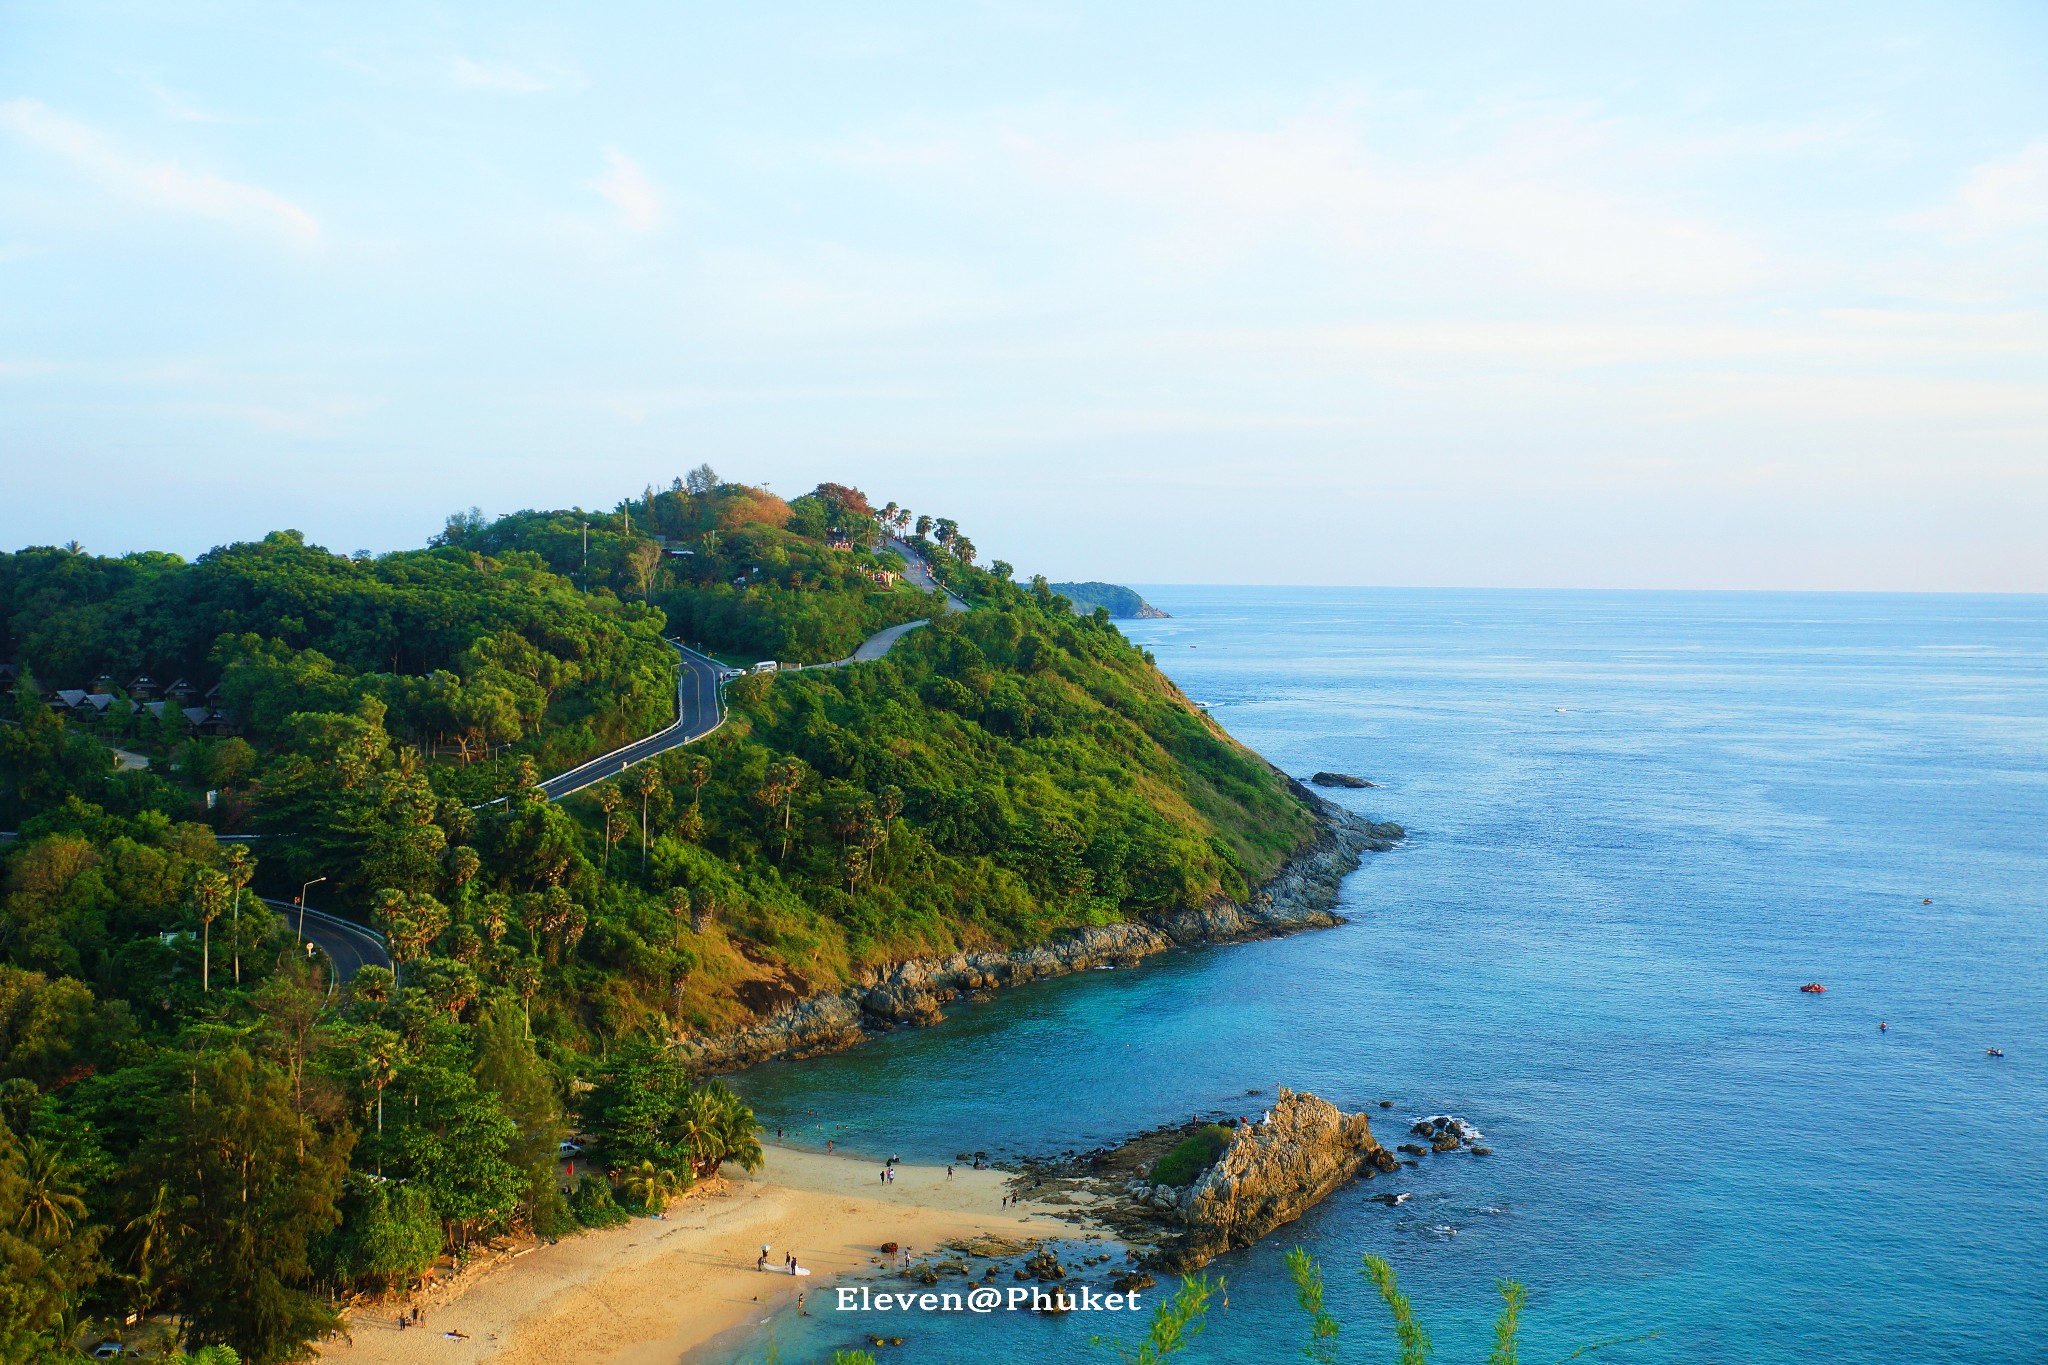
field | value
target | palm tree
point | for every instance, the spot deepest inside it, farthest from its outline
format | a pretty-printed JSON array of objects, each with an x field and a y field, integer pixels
[
  {"x": 525, "y": 980},
  {"x": 678, "y": 906},
  {"x": 780, "y": 788},
  {"x": 210, "y": 892},
  {"x": 381, "y": 1055},
  {"x": 490, "y": 915},
  {"x": 652, "y": 1186},
  {"x": 644, "y": 784},
  {"x": 695, "y": 1134},
  {"x": 50, "y": 1206},
  {"x": 241, "y": 871},
  {"x": 732, "y": 1123},
  {"x": 609, "y": 800},
  {"x": 697, "y": 769},
  {"x": 153, "y": 1236}
]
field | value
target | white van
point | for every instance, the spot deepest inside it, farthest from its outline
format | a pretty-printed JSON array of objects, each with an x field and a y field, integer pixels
[{"x": 765, "y": 666}]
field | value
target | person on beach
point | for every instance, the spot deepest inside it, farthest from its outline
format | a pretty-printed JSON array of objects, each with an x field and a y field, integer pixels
[
  {"x": 949, "y": 1173},
  {"x": 801, "y": 1310},
  {"x": 828, "y": 1146}
]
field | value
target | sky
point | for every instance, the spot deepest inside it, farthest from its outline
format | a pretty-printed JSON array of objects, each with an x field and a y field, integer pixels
[{"x": 1633, "y": 295}]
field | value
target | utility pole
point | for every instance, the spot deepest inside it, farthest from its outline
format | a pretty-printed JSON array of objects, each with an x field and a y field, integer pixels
[{"x": 586, "y": 549}]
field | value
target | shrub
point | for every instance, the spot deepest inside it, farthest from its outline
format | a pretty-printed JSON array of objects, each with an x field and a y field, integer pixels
[
  {"x": 593, "y": 1205},
  {"x": 1191, "y": 1156}
]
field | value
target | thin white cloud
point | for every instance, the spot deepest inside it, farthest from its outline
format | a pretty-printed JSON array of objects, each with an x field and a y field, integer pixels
[
  {"x": 184, "y": 111},
  {"x": 630, "y": 191},
  {"x": 500, "y": 78},
  {"x": 162, "y": 185},
  {"x": 1997, "y": 197},
  {"x": 1540, "y": 207}
]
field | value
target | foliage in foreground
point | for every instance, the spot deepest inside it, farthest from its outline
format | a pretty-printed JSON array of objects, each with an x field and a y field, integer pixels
[{"x": 1180, "y": 1317}]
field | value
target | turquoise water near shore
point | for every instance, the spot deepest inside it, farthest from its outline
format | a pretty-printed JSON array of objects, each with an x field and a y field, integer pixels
[{"x": 1637, "y": 823}]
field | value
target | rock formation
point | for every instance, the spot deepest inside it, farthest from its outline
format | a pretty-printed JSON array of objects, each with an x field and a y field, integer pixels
[
  {"x": 1269, "y": 1175},
  {"x": 1340, "y": 780}
]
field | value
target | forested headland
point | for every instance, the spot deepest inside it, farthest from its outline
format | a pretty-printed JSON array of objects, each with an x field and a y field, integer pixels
[{"x": 197, "y": 1123}]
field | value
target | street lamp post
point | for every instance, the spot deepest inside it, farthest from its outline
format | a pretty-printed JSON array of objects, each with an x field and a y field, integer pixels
[{"x": 302, "y": 906}]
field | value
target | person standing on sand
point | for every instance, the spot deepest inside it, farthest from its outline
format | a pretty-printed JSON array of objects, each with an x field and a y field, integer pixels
[
  {"x": 949, "y": 1173},
  {"x": 801, "y": 1310}
]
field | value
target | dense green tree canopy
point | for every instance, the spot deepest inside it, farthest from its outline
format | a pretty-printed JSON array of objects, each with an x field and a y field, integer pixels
[{"x": 225, "y": 1138}]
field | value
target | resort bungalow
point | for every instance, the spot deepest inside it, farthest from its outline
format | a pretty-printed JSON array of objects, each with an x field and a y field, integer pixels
[{"x": 142, "y": 687}]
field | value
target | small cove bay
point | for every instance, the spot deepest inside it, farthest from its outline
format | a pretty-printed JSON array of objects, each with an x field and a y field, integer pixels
[{"x": 1638, "y": 821}]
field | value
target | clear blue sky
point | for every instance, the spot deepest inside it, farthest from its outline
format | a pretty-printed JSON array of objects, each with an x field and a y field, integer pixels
[{"x": 1634, "y": 295}]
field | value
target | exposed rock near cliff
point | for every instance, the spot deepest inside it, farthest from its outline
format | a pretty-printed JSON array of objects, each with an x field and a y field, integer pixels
[
  {"x": 1299, "y": 896},
  {"x": 1270, "y": 1174},
  {"x": 1340, "y": 780}
]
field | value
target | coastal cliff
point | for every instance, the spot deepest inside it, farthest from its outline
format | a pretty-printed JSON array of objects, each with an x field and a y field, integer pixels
[{"x": 1299, "y": 896}]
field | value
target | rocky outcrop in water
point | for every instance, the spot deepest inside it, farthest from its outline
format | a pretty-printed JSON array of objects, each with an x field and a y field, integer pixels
[
  {"x": 1340, "y": 780},
  {"x": 1269, "y": 1175},
  {"x": 1299, "y": 896}
]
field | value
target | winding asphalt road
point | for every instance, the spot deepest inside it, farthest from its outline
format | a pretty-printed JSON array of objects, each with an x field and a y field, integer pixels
[
  {"x": 351, "y": 946},
  {"x": 348, "y": 945},
  {"x": 920, "y": 575},
  {"x": 698, "y": 713}
]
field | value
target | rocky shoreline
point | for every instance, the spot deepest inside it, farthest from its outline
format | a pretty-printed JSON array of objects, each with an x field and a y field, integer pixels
[
  {"x": 1265, "y": 1173},
  {"x": 913, "y": 993}
]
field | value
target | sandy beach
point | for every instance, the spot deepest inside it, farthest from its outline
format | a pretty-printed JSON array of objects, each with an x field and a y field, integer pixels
[{"x": 656, "y": 1289}]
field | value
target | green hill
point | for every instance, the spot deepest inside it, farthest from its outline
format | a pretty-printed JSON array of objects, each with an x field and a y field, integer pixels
[
  {"x": 1000, "y": 775},
  {"x": 1122, "y": 603}
]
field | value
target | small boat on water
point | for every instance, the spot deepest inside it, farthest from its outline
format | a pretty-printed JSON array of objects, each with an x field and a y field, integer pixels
[
  {"x": 1814, "y": 988},
  {"x": 1994, "y": 1052}
]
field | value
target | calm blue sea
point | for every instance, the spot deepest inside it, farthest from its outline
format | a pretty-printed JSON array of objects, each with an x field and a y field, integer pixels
[{"x": 1638, "y": 821}]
